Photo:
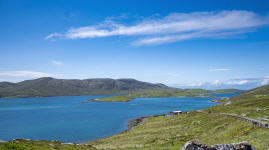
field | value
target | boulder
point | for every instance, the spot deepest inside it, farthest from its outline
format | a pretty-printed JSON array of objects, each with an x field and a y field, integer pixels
[{"x": 196, "y": 145}]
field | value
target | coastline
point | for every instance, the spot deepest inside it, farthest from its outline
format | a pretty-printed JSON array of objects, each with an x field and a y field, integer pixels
[
  {"x": 98, "y": 100},
  {"x": 136, "y": 121}
]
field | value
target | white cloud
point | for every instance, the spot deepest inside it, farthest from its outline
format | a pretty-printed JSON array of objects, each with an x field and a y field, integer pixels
[
  {"x": 216, "y": 82},
  {"x": 174, "y": 27},
  {"x": 194, "y": 84},
  {"x": 220, "y": 69},
  {"x": 265, "y": 81},
  {"x": 25, "y": 74},
  {"x": 57, "y": 63},
  {"x": 173, "y": 74},
  {"x": 241, "y": 82},
  {"x": 52, "y": 35}
]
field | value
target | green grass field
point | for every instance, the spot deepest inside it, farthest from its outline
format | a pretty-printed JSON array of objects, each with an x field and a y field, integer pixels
[
  {"x": 42, "y": 145},
  {"x": 173, "y": 132}
]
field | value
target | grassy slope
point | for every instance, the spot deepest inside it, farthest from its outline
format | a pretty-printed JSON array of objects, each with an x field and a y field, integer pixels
[
  {"x": 257, "y": 93},
  {"x": 42, "y": 145},
  {"x": 210, "y": 128}
]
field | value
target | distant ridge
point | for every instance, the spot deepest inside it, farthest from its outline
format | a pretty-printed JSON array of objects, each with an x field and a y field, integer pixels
[
  {"x": 261, "y": 92},
  {"x": 48, "y": 86}
]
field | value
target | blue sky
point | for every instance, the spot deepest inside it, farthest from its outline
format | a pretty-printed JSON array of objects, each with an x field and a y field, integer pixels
[{"x": 187, "y": 43}]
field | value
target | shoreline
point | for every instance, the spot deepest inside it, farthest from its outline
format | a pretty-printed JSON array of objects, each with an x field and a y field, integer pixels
[
  {"x": 136, "y": 121},
  {"x": 97, "y": 100}
]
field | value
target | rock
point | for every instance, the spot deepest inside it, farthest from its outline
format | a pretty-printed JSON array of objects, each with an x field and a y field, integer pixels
[{"x": 195, "y": 145}]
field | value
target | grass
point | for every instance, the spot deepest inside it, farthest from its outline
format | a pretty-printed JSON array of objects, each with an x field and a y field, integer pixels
[
  {"x": 116, "y": 99},
  {"x": 210, "y": 128},
  {"x": 41, "y": 145},
  {"x": 173, "y": 132}
]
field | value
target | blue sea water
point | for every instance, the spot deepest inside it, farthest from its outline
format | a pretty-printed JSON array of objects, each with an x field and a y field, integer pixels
[
  {"x": 224, "y": 94},
  {"x": 68, "y": 120}
]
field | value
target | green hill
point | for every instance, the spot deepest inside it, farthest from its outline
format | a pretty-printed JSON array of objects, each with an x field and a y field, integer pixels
[
  {"x": 209, "y": 126},
  {"x": 257, "y": 93},
  {"x": 63, "y": 87},
  {"x": 100, "y": 86}
]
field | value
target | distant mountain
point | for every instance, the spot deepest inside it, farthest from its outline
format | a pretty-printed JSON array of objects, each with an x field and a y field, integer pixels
[
  {"x": 64, "y": 87},
  {"x": 257, "y": 93}
]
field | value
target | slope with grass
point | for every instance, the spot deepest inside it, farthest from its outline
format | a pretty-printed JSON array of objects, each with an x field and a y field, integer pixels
[
  {"x": 257, "y": 93},
  {"x": 21, "y": 144},
  {"x": 207, "y": 126}
]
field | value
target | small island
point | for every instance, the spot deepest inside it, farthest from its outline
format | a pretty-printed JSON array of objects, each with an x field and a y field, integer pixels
[
  {"x": 172, "y": 92},
  {"x": 113, "y": 99}
]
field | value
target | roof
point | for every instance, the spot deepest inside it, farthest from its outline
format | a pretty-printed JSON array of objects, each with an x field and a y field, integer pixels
[{"x": 176, "y": 111}]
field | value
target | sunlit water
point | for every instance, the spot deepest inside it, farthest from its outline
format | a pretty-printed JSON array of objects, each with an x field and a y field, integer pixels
[{"x": 67, "y": 120}]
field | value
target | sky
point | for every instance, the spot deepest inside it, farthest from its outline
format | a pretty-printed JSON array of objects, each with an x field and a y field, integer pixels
[{"x": 187, "y": 43}]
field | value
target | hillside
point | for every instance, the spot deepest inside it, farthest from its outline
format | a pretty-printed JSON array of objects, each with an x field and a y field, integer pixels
[
  {"x": 257, "y": 93},
  {"x": 210, "y": 126},
  {"x": 67, "y": 87},
  {"x": 63, "y": 87}
]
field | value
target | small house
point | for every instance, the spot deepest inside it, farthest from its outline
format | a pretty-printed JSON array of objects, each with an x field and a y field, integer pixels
[{"x": 177, "y": 112}]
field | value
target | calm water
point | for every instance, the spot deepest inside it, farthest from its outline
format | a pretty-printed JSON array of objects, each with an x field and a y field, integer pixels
[
  {"x": 67, "y": 120},
  {"x": 224, "y": 94}
]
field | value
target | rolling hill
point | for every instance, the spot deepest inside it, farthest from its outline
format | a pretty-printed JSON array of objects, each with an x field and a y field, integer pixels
[
  {"x": 65, "y": 87},
  {"x": 257, "y": 93}
]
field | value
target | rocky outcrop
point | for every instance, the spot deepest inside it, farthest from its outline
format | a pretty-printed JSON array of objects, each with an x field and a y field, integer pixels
[{"x": 195, "y": 145}]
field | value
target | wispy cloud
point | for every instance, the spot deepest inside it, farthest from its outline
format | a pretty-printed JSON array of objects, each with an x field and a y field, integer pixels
[
  {"x": 220, "y": 69},
  {"x": 216, "y": 82},
  {"x": 244, "y": 83},
  {"x": 26, "y": 74},
  {"x": 52, "y": 35},
  {"x": 57, "y": 63},
  {"x": 241, "y": 82},
  {"x": 265, "y": 81},
  {"x": 172, "y": 74},
  {"x": 173, "y": 27}
]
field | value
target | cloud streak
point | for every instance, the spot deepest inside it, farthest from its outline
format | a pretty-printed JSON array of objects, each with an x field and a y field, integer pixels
[
  {"x": 173, "y": 27},
  {"x": 220, "y": 69},
  {"x": 247, "y": 83},
  {"x": 26, "y": 74},
  {"x": 57, "y": 63}
]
